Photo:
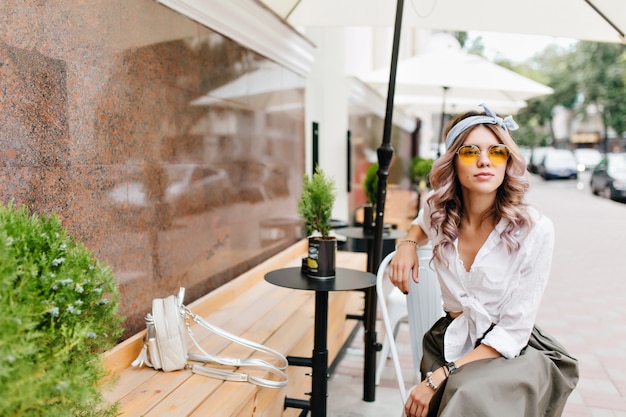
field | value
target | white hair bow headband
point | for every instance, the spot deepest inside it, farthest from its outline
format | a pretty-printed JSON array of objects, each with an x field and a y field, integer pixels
[{"x": 489, "y": 118}]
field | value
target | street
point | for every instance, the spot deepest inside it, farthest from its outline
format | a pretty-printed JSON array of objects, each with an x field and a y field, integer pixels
[{"x": 584, "y": 305}]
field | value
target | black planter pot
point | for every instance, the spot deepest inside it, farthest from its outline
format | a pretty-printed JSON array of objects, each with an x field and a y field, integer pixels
[
  {"x": 321, "y": 259},
  {"x": 369, "y": 222}
]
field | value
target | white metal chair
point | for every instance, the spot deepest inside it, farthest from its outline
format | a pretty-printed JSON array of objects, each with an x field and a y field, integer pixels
[
  {"x": 424, "y": 308},
  {"x": 396, "y": 312}
]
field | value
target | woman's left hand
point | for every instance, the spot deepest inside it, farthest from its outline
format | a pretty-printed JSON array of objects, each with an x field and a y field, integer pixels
[{"x": 419, "y": 399}]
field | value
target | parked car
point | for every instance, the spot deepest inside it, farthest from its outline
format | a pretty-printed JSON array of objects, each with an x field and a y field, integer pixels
[
  {"x": 536, "y": 156},
  {"x": 558, "y": 164},
  {"x": 526, "y": 153},
  {"x": 608, "y": 178},
  {"x": 587, "y": 158},
  {"x": 178, "y": 189}
]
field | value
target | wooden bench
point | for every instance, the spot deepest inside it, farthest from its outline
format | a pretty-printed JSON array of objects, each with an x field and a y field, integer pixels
[{"x": 251, "y": 308}]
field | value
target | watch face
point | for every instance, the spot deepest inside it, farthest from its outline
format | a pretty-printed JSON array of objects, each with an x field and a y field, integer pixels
[{"x": 451, "y": 367}]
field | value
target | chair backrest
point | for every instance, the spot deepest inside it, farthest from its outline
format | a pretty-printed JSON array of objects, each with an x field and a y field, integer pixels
[
  {"x": 380, "y": 292},
  {"x": 423, "y": 303},
  {"x": 424, "y": 307}
]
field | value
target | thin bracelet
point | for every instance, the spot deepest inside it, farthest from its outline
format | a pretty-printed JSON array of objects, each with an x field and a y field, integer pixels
[
  {"x": 429, "y": 381},
  {"x": 406, "y": 242}
]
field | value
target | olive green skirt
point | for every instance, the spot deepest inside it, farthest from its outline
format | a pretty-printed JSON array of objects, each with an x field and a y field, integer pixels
[{"x": 536, "y": 383}]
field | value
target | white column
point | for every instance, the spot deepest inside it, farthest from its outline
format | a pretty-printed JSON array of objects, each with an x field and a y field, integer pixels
[{"x": 327, "y": 94}]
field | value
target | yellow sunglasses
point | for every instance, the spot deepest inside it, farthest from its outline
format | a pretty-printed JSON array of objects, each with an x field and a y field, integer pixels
[{"x": 469, "y": 154}]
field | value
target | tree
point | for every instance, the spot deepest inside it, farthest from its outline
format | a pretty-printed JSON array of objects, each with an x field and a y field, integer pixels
[
  {"x": 554, "y": 67},
  {"x": 601, "y": 68},
  {"x": 470, "y": 46}
]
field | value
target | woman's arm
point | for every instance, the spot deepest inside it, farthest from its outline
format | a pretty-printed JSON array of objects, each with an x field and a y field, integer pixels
[
  {"x": 404, "y": 264},
  {"x": 480, "y": 352},
  {"x": 419, "y": 399},
  {"x": 520, "y": 307}
]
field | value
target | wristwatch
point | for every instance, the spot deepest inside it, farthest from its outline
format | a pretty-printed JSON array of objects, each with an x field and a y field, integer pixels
[{"x": 451, "y": 367}]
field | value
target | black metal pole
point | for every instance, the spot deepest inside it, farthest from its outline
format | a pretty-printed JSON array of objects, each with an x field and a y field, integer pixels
[
  {"x": 385, "y": 153},
  {"x": 316, "y": 146},
  {"x": 443, "y": 120},
  {"x": 319, "y": 383},
  {"x": 349, "y": 161}
]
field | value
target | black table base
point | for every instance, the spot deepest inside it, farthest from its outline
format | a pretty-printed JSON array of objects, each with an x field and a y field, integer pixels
[
  {"x": 318, "y": 362},
  {"x": 346, "y": 279}
]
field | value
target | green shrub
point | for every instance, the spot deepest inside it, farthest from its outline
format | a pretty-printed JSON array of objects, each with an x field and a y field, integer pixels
[
  {"x": 58, "y": 313},
  {"x": 420, "y": 169},
  {"x": 370, "y": 183},
  {"x": 315, "y": 206}
]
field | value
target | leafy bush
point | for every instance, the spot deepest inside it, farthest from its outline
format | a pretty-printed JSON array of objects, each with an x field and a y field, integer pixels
[
  {"x": 58, "y": 313},
  {"x": 420, "y": 169},
  {"x": 316, "y": 203},
  {"x": 371, "y": 183}
]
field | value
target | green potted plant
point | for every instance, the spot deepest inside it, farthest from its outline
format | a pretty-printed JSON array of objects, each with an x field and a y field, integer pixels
[
  {"x": 315, "y": 208},
  {"x": 370, "y": 184},
  {"x": 420, "y": 171},
  {"x": 58, "y": 314}
]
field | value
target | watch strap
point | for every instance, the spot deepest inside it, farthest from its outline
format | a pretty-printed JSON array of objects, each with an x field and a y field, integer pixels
[{"x": 451, "y": 367}]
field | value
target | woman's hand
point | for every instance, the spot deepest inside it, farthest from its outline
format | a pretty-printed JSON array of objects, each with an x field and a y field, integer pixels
[
  {"x": 403, "y": 267},
  {"x": 419, "y": 399}
]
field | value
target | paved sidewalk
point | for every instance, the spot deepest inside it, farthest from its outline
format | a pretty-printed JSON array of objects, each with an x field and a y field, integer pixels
[{"x": 584, "y": 304}]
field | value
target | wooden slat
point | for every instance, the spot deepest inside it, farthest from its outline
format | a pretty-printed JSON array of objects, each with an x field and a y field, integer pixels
[{"x": 143, "y": 398}]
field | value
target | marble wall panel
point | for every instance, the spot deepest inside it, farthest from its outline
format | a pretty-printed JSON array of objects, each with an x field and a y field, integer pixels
[{"x": 172, "y": 152}]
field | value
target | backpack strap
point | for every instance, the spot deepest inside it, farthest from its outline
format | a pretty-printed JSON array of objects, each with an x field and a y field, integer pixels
[{"x": 277, "y": 370}]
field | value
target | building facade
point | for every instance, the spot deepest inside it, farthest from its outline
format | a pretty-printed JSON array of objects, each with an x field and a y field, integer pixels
[{"x": 170, "y": 137}]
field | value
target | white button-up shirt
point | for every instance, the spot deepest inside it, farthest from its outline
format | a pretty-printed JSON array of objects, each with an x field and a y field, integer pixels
[{"x": 500, "y": 288}]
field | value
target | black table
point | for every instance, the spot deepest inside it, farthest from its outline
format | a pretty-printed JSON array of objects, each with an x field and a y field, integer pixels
[
  {"x": 358, "y": 234},
  {"x": 345, "y": 280},
  {"x": 371, "y": 345}
]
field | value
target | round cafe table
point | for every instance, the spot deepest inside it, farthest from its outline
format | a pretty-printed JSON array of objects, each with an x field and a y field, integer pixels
[{"x": 344, "y": 280}]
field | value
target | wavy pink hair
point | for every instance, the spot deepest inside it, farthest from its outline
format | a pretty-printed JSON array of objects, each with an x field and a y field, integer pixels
[{"x": 446, "y": 202}]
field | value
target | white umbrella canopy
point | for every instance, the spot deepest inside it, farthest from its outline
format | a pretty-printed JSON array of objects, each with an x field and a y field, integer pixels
[
  {"x": 269, "y": 88},
  {"x": 416, "y": 104},
  {"x": 467, "y": 78},
  {"x": 593, "y": 20}
]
